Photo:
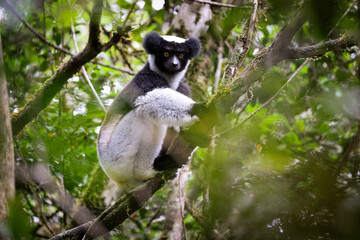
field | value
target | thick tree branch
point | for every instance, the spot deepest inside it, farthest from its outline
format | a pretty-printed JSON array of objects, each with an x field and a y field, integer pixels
[
  {"x": 285, "y": 36},
  {"x": 321, "y": 48},
  {"x": 53, "y": 85},
  {"x": 269, "y": 57}
]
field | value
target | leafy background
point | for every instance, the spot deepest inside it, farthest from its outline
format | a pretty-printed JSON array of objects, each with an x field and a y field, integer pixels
[{"x": 283, "y": 174}]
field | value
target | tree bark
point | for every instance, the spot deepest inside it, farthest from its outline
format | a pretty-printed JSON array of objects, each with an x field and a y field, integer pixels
[{"x": 7, "y": 172}]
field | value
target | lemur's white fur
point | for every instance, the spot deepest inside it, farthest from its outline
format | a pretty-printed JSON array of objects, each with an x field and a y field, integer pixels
[
  {"x": 174, "y": 79},
  {"x": 170, "y": 38}
]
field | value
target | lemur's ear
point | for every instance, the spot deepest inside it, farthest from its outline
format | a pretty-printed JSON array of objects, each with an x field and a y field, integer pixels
[
  {"x": 194, "y": 46},
  {"x": 152, "y": 42}
]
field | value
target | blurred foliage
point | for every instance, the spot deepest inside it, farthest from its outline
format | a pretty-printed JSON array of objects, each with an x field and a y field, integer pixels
[{"x": 272, "y": 177}]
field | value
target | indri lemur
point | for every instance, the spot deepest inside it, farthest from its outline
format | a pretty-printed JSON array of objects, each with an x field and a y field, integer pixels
[{"x": 131, "y": 137}]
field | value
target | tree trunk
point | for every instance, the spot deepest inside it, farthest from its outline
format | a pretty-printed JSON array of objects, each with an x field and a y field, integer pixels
[{"x": 7, "y": 173}]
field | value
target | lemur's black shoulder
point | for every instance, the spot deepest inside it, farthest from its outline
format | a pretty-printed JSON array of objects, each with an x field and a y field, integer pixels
[{"x": 148, "y": 80}]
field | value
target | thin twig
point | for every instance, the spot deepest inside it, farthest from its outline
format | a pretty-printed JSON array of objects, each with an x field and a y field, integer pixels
[
  {"x": 126, "y": 62},
  {"x": 217, "y": 3},
  {"x": 130, "y": 72},
  {"x": 129, "y": 12}
]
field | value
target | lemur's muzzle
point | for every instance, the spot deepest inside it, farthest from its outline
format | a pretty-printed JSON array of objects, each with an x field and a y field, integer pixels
[{"x": 174, "y": 63}]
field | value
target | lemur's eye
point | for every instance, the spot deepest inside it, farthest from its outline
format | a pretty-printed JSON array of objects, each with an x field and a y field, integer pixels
[
  {"x": 181, "y": 55},
  {"x": 166, "y": 54}
]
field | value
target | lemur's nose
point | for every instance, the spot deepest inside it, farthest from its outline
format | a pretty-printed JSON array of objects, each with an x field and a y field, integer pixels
[{"x": 175, "y": 62}]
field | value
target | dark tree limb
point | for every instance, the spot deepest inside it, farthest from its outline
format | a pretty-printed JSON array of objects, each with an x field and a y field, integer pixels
[
  {"x": 52, "y": 86},
  {"x": 321, "y": 48}
]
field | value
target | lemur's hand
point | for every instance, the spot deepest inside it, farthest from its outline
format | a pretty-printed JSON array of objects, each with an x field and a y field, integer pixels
[{"x": 199, "y": 133}]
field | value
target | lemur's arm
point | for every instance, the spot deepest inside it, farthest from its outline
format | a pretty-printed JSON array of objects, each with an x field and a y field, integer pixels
[{"x": 166, "y": 106}]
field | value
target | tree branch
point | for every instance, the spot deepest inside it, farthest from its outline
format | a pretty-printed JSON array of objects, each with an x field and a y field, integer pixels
[
  {"x": 43, "y": 39},
  {"x": 53, "y": 85},
  {"x": 218, "y": 4},
  {"x": 321, "y": 48}
]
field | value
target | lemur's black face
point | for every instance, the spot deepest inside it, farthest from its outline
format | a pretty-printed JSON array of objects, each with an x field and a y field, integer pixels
[
  {"x": 171, "y": 54},
  {"x": 171, "y": 57}
]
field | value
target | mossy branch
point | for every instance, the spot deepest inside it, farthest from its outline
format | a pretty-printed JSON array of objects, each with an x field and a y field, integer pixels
[{"x": 321, "y": 48}]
